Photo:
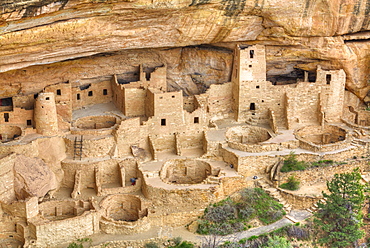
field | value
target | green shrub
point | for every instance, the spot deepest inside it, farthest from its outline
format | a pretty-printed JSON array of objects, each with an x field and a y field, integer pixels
[
  {"x": 220, "y": 213},
  {"x": 227, "y": 216},
  {"x": 177, "y": 240},
  {"x": 292, "y": 184},
  {"x": 79, "y": 243},
  {"x": 151, "y": 245},
  {"x": 322, "y": 163},
  {"x": 183, "y": 244},
  {"x": 292, "y": 164},
  {"x": 278, "y": 242}
]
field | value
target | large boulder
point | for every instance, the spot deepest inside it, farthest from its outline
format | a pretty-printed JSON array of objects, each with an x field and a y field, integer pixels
[{"x": 32, "y": 177}]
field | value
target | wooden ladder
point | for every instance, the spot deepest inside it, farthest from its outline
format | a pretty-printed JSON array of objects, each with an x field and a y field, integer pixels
[{"x": 78, "y": 148}]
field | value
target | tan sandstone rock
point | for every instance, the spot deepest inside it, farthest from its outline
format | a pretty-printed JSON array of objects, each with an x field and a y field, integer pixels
[{"x": 32, "y": 177}]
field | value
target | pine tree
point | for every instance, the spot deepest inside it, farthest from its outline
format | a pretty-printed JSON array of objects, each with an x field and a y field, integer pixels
[{"x": 339, "y": 219}]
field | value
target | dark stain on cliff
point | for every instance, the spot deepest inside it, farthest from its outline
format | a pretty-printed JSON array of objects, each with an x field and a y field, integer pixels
[
  {"x": 198, "y": 2},
  {"x": 233, "y": 7},
  {"x": 33, "y": 9},
  {"x": 366, "y": 22}
]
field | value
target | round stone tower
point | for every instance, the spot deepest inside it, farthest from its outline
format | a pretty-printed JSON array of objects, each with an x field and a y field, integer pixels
[{"x": 46, "y": 114}]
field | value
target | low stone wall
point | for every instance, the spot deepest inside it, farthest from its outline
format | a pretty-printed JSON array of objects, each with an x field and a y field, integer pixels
[
  {"x": 131, "y": 243},
  {"x": 317, "y": 175},
  {"x": 298, "y": 201},
  {"x": 354, "y": 125},
  {"x": 322, "y": 148},
  {"x": 51, "y": 233},
  {"x": 175, "y": 219},
  {"x": 104, "y": 131},
  {"x": 92, "y": 146},
  {"x": 263, "y": 147},
  {"x": 110, "y": 226}
]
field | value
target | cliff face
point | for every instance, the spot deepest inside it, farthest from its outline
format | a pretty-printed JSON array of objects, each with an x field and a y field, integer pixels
[{"x": 299, "y": 34}]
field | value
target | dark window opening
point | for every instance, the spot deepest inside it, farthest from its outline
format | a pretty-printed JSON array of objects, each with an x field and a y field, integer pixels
[
  {"x": 163, "y": 122},
  {"x": 250, "y": 65},
  {"x": 6, "y": 102},
  {"x": 252, "y": 106},
  {"x": 90, "y": 93},
  {"x": 196, "y": 119},
  {"x": 35, "y": 96},
  {"x": 147, "y": 76},
  {"x": 173, "y": 96},
  {"x": 6, "y": 117},
  {"x": 257, "y": 87},
  {"x": 59, "y": 92},
  {"x": 29, "y": 122},
  {"x": 263, "y": 101},
  {"x": 328, "y": 79},
  {"x": 78, "y": 97},
  {"x": 47, "y": 98},
  {"x": 105, "y": 92},
  {"x": 251, "y": 54}
]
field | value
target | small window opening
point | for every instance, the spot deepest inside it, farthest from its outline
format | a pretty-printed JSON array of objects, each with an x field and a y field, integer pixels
[
  {"x": 250, "y": 66},
  {"x": 147, "y": 76},
  {"x": 105, "y": 92},
  {"x": 6, "y": 117},
  {"x": 59, "y": 92},
  {"x": 90, "y": 93},
  {"x": 328, "y": 79},
  {"x": 263, "y": 100},
  {"x": 163, "y": 122},
  {"x": 173, "y": 96},
  {"x": 47, "y": 98},
  {"x": 257, "y": 87},
  {"x": 251, "y": 54},
  {"x": 252, "y": 106},
  {"x": 78, "y": 97},
  {"x": 29, "y": 122},
  {"x": 35, "y": 96},
  {"x": 196, "y": 119}
]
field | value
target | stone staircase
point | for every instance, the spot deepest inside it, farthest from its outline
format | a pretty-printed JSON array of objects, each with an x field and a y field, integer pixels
[
  {"x": 358, "y": 142},
  {"x": 274, "y": 193},
  {"x": 315, "y": 206},
  {"x": 212, "y": 180},
  {"x": 252, "y": 119}
]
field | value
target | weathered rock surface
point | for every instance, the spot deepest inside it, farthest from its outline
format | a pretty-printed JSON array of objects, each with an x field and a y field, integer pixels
[
  {"x": 299, "y": 34},
  {"x": 32, "y": 177}
]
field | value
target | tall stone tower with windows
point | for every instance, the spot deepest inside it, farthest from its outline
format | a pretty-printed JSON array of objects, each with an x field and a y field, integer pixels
[
  {"x": 46, "y": 114},
  {"x": 249, "y": 72}
]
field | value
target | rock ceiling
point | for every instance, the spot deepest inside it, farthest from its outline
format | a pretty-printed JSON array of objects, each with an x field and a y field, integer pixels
[{"x": 48, "y": 41}]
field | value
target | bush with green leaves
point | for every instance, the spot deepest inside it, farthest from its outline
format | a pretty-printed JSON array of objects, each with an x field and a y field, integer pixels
[
  {"x": 292, "y": 164},
  {"x": 292, "y": 184},
  {"x": 228, "y": 216},
  {"x": 151, "y": 245},
  {"x": 278, "y": 242},
  {"x": 80, "y": 242},
  {"x": 183, "y": 244}
]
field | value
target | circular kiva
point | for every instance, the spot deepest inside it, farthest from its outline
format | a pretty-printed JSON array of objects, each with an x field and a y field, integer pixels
[
  {"x": 247, "y": 134},
  {"x": 96, "y": 122}
]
